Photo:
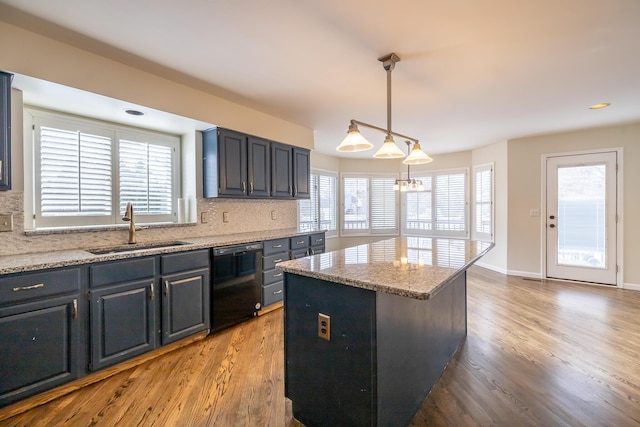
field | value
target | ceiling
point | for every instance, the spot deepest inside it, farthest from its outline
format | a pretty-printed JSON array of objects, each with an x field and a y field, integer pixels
[{"x": 471, "y": 73}]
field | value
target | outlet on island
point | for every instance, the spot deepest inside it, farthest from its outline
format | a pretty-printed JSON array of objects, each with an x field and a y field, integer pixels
[
  {"x": 324, "y": 326},
  {"x": 225, "y": 216}
]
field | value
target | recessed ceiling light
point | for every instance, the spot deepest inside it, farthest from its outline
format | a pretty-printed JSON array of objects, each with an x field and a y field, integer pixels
[
  {"x": 599, "y": 106},
  {"x": 134, "y": 112}
]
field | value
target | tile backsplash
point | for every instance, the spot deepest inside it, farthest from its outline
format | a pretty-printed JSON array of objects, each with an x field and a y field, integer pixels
[{"x": 242, "y": 216}]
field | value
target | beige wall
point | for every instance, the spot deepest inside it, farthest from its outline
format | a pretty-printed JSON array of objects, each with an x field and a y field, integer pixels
[
  {"x": 525, "y": 183},
  {"x": 34, "y": 55}
]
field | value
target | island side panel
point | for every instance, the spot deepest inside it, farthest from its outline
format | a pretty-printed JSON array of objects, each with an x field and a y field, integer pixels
[
  {"x": 329, "y": 382},
  {"x": 415, "y": 341}
]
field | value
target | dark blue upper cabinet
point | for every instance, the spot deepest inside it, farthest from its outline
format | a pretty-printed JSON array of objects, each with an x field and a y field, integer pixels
[{"x": 5, "y": 130}]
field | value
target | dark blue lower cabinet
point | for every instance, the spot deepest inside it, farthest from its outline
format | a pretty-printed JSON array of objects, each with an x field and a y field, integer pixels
[
  {"x": 185, "y": 304},
  {"x": 123, "y": 322},
  {"x": 40, "y": 347}
]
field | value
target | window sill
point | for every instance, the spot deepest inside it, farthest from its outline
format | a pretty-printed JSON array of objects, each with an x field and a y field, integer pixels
[{"x": 98, "y": 228}]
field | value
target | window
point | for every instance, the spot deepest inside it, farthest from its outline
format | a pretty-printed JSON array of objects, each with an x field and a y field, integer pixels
[
  {"x": 439, "y": 210},
  {"x": 320, "y": 211},
  {"x": 370, "y": 205},
  {"x": 483, "y": 202},
  {"x": 86, "y": 171}
]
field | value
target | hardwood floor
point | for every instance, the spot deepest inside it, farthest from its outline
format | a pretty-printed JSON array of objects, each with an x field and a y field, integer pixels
[{"x": 537, "y": 353}]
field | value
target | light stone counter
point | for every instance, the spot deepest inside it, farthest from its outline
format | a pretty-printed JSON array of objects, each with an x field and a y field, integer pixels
[
  {"x": 414, "y": 267},
  {"x": 38, "y": 261}
]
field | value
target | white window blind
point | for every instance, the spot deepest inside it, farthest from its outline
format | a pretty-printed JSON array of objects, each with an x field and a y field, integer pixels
[
  {"x": 75, "y": 173},
  {"x": 83, "y": 177},
  {"x": 483, "y": 202},
  {"x": 370, "y": 205},
  {"x": 441, "y": 209},
  {"x": 319, "y": 212},
  {"x": 146, "y": 177}
]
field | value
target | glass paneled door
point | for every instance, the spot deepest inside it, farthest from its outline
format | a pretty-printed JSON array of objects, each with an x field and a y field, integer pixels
[{"x": 581, "y": 217}]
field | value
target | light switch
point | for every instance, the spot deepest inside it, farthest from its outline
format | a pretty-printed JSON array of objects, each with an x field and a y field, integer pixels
[{"x": 6, "y": 222}]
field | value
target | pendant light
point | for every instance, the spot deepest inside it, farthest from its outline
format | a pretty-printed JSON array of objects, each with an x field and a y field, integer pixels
[
  {"x": 354, "y": 141},
  {"x": 409, "y": 184}
]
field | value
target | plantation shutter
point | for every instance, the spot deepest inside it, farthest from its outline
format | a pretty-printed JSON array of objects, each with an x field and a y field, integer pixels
[
  {"x": 75, "y": 173},
  {"x": 308, "y": 208},
  {"x": 356, "y": 204},
  {"x": 146, "y": 175},
  {"x": 483, "y": 201},
  {"x": 418, "y": 208},
  {"x": 384, "y": 205},
  {"x": 327, "y": 201},
  {"x": 450, "y": 203}
]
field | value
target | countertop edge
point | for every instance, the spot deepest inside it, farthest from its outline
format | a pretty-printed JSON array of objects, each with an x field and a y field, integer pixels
[{"x": 74, "y": 257}]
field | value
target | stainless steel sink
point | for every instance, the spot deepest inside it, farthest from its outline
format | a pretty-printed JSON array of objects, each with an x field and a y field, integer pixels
[{"x": 134, "y": 247}]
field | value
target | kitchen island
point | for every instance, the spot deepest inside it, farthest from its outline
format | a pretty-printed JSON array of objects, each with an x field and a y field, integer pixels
[{"x": 370, "y": 329}]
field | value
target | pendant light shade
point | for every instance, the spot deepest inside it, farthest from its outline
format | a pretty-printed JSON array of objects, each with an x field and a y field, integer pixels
[
  {"x": 417, "y": 156},
  {"x": 389, "y": 150},
  {"x": 354, "y": 141}
]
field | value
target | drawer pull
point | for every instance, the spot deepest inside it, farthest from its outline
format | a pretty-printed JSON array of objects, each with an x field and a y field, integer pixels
[
  {"x": 277, "y": 260},
  {"x": 277, "y": 246},
  {"x": 153, "y": 292},
  {"x": 300, "y": 242},
  {"x": 278, "y": 292},
  {"x": 28, "y": 288},
  {"x": 74, "y": 313},
  {"x": 277, "y": 275},
  {"x": 319, "y": 240}
]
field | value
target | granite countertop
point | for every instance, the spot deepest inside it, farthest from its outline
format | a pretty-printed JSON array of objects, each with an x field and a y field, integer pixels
[
  {"x": 414, "y": 267},
  {"x": 39, "y": 261}
]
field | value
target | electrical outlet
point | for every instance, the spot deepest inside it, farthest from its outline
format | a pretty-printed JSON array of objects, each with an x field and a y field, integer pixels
[
  {"x": 225, "y": 216},
  {"x": 6, "y": 222},
  {"x": 273, "y": 215},
  {"x": 203, "y": 217},
  {"x": 324, "y": 326}
]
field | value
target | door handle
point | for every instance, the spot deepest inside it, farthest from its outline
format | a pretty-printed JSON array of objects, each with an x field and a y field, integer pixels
[
  {"x": 166, "y": 287},
  {"x": 152, "y": 294}
]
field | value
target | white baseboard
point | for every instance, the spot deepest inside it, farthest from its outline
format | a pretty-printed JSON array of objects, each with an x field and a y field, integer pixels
[
  {"x": 631, "y": 286},
  {"x": 491, "y": 267},
  {"x": 527, "y": 274}
]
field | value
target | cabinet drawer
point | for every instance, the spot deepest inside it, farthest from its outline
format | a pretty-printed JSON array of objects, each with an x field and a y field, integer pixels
[
  {"x": 272, "y": 276},
  {"x": 269, "y": 262},
  {"x": 300, "y": 253},
  {"x": 316, "y": 239},
  {"x": 184, "y": 261},
  {"x": 274, "y": 246},
  {"x": 122, "y": 271},
  {"x": 22, "y": 287},
  {"x": 272, "y": 293},
  {"x": 299, "y": 242}
]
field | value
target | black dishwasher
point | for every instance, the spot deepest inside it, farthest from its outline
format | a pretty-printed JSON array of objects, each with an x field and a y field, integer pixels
[{"x": 236, "y": 284}]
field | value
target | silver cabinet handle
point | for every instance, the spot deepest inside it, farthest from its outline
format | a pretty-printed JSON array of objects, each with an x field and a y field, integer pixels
[
  {"x": 251, "y": 188},
  {"x": 319, "y": 240},
  {"x": 295, "y": 190},
  {"x": 277, "y": 260},
  {"x": 74, "y": 313},
  {"x": 300, "y": 242},
  {"x": 152, "y": 295},
  {"x": 166, "y": 287},
  {"x": 290, "y": 190},
  {"x": 278, "y": 275},
  {"x": 277, "y": 246},
  {"x": 278, "y": 292},
  {"x": 28, "y": 288},
  {"x": 244, "y": 186}
]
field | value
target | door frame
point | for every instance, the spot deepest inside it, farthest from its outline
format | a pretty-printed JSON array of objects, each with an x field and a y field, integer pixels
[{"x": 619, "y": 212}]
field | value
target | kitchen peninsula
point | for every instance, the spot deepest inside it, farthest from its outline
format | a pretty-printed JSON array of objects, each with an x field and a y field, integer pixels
[{"x": 370, "y": 329}]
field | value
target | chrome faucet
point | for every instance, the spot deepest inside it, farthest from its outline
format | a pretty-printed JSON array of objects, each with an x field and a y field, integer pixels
[{"x": 128, "y": 216}]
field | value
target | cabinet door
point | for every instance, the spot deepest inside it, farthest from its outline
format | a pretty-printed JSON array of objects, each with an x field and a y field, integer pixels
[
  {"x": 40, "y": 347},
  {"x": 281, "y": 175},
  {"x": 185, "y": 304},
  {"x": 232, "y": 163},
  {"x": 5, "y": 131},
  {"x": 301, "y": 171},
  {"x": 123, "y": 321},
  {"x": 258, "y": 167}
]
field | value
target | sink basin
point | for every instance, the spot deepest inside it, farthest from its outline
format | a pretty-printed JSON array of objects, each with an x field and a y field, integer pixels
[{"x": 134, "y": 247}]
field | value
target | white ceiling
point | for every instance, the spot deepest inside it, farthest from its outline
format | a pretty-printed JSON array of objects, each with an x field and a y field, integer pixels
[{"x": 472, "y": 72}]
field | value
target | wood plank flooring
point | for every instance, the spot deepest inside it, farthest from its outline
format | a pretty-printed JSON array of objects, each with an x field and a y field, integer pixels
[{"x": 536, "y": 354}]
